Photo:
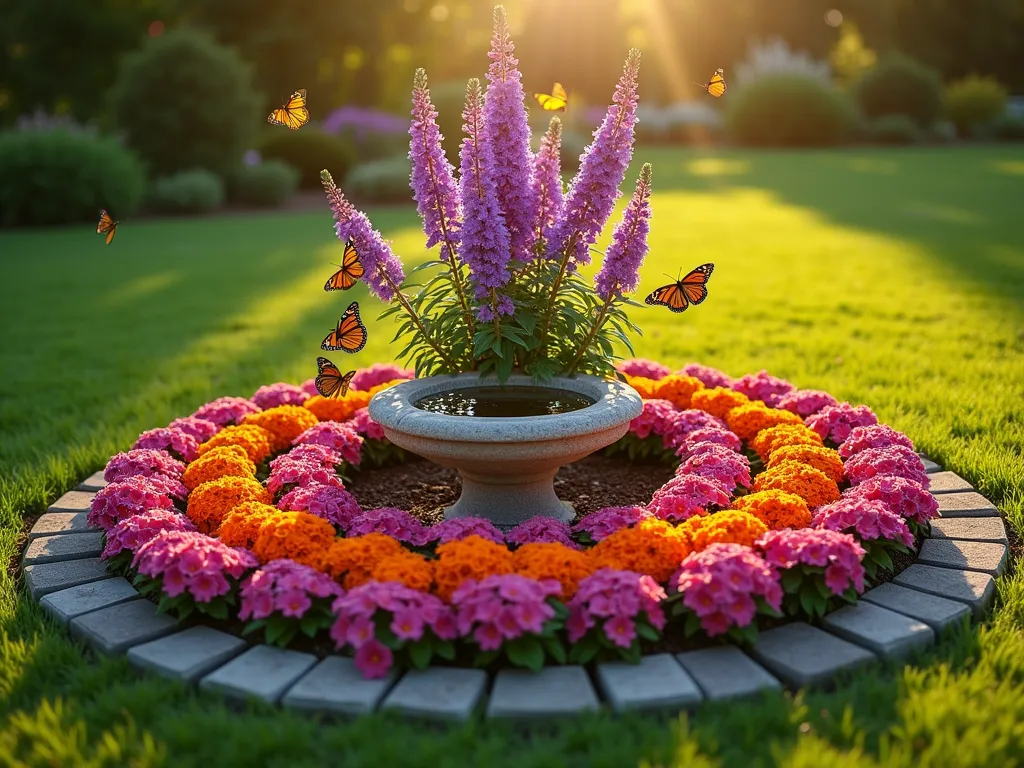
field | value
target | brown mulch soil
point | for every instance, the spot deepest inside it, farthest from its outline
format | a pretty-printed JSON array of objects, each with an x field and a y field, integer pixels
[{"x": 425, "y": 489}]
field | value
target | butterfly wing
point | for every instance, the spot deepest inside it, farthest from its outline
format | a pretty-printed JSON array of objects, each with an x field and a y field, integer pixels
[
  {"x": 111, "y": 233},
  {"x": 694, "y": 285},
  {"x": 293, "y": 114},
  {"x": 716, "y": 86},
  {"x": 558, "y": 99},
  {"x": 329, "y": 381},
  {"x": 106, "y": 226},
  {"x": 670, "y": 296},
  {"x": 559, "y": 92},
  {"x": 350, "y": 335},
  {"x": 350, "y": 272}
]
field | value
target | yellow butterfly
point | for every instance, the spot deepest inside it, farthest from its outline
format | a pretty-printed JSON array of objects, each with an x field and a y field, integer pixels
[
  {"x": 716, "y": 85},
  {"x": 293, "y": 114},
  {"x": 557, "y": 100}
]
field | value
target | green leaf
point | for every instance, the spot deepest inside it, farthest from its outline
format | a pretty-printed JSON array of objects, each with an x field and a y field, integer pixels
[
  {"x": 277, "y": 627},
  {"x": 555, "y": 649},
  {"x": 484, "y": 658},
  {"x": 647, "y": 632},
  {"x": 584, "y": 650},
  {"x": 253, "y": 626},
  {"x": 525, "y": 651},
  {"x": 310, "y": 624},
  {"x": 420, "y": 653},
  {"x": 445, "y": 649}
]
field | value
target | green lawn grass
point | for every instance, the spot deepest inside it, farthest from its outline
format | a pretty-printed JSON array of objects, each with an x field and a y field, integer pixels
[{"x": 893, "y": 278}]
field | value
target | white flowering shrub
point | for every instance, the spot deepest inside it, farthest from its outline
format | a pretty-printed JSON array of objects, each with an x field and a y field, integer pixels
[{"x": 775, "y": 57}]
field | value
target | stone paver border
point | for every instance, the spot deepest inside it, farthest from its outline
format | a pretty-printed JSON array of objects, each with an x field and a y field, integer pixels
[{"x": 952, "y": 581}]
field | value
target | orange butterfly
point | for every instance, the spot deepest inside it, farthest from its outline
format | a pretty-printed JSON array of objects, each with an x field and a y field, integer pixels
[
  {"x": 350, "y": 272},
  {"x": 679, "y": 295},
  {"x": 106, "y": 226},
  {"x": 329, "y": 381},
  {"x": 350, "y": 335},
  {"x": 293, "y": 114},
  {"x": 716, "y": 85}
]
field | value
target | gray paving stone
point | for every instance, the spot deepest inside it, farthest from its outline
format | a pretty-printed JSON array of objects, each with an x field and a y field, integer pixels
[
  {"x": 438, "y": 693},
  {"x": 72, "y": 501},
  {"x": 937, "y": 612},
  {"x": 93, "y": 482},
  {"x": 263, "y": 672},
  {"x": 968, "y": 504},
  {"x": 113, "y": 630},
  {"x": 44, "y": 578},
  {"x": 55, "y": 523},
  {"x": 70, "y": 603},
  {"x": 971, "y": 587},
  {"x": 969, "y": 528},
  {"x": 187, "y": 655},
  {"x": 929, "y": 465},
  {"x": 726, "y": 672},
  {"x": 948, "y": 482},
  {"x": 552, "y": 692},
  {"x": 800, "y": 655},
  {"x": 887, "y": 633},
  {"x": 335, "y": 685},
  {"x": 987, "y": 556},
  {"x": 657, "y": 682},
  {"x": 52, "y": 549}
]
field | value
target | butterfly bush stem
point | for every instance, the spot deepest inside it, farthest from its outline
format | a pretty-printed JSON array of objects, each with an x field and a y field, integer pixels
[{"x": 598, "y": 323}]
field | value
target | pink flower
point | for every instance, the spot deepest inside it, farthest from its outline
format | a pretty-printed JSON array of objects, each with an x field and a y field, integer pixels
[
  {"x": 818, "y": 548},
  {"x": 301, "y": 474},
  {"x": 894, "y": 461},
  {"x": 902, "y": 496},
  {"x": 701, "y": 440},
  {"x": 341, "y": 438},
  {"x": 309, "y": 387},
  {"x": 503, "y": 608},
  {"x": 329, "y": 501},
  {"x": 874, "y": 436},
  {"x": 710, "y": 377},
  {"x": 721, "y": 464},
  {"x": 804, "y": 402},
  {"x": 285, "y": 587},
  {"x": 132, "y": 532},
  {"x": 647, "y": 369},
  {"x": 274, "y": 395},
  {"x": 407, "y": 625},
  {"x": 620, "y": 630},
  {"x": 365, "y": 426},
  {"x": 396, "y": 523},
  {"x": 763, "y": 386},
  {"x": 187, "y": 560},
  {"x": 373, "y": 659},
  {"x": 144, "y": 462},
  {"x": 460, "y": 528},
  {"x": 657, "y": 417},
  {"x": 294, "y": 603},
  {"x": 488, "y": 637},
  {"x": 176, "y": 442},
  {"x": 614, "y": 599},
  {"x": 226, "y": 410},
  {"x": 835, "y": 422},
  {"x": 604, "y": 522},
  {"x": 379, "y": 373},
  {"x": 867, "y": 520},
  {"x": 205, "y": 586},
  {"x": 308, "y": 453},
  {"x": 541, "y": 530},
  {"x": 578, "y": 624},
  {"x": 201, "y": 429},
  {"x": 132, "y": 496},
  {"x": 684, "y": 496}
]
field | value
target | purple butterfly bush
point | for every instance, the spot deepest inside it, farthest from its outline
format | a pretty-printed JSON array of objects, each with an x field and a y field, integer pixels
[
  {"x": 620, "y": 272},
  {"x": 547, "y": 180}
]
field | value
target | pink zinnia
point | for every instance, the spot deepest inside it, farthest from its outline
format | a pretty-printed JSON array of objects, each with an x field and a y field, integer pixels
[
  {"x": 804, "y": 402},
  {"x": 684, "y": 496},
  {"x": 281, "y": 393},
  {"x": 644, "y": 368},
  {"x": 904, "y": 497},
  {"x": 709, "y": 377},
  {"x": 763, "y": 386},
  {"x": 541, "y": 530},
  {"x": 145, "y": 462},
  {"x": 201, "y": 429},
  {"x": 379, "y": 373},
  {"x": 341, "y": 438},
  {"x": 178, "y": 443},
  {"x": 835, "y": 422},
  {"x": 867, "y": 520},
  {"x": 374, "y": 659},
  {"x": 331, "y": 502},
  {"x": 895, "y": 460},
  {"x": 604, "y": 522},
  {"x": 874, "y": 436},
  {"x": 704, "y": 439},
  {"x": 227, "y": 410}
]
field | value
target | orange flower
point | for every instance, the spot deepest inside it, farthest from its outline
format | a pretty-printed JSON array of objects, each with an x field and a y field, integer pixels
[
  {"x": 299, "y": 535},
  {"x": 254, "y": 440},
  {"x": 553, "y": 561},
  {"x": 767, "y": 440},
  {"x": 718, "y": 401},
  {"x": 212, "y": 501},
  {"x": 776, "y": 509},
  {"x": 747, "y": 420},
  {"x": 408, "y": 568},
  {"x": 284, "y": 423},
  {"x": 726, "y": 527},
  {"x": 653, "y": 547},
  {"x": 242, "y": 525},
  {"x": 227, "y": 460},
  {"x": 678, "y": 389},
  {"x": 819, "y": 457},
  {"x": 470, "y": 558},
  {"x": 810, "y": 484},
  {"x": 643, "y": 386},
  {"x": 337, "y": 408},
  {"x": 352, "y": 561},
  {"x": 381, "y": 387}
]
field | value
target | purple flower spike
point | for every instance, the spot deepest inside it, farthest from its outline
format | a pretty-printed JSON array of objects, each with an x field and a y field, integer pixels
[
  {"x": 485, "y": 239},
  {"x": 547, "y": 180},
  {"x": 383, "y": 269},
  {"x": 595, "y": 188},
  {"x": 507, "y": 132},
  {"x": 433, "y": 178},
  {"x": 620, "y": 272}
]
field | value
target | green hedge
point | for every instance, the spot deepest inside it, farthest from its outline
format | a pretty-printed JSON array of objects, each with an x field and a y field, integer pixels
[
  {"x": 309, "y": 151},
  {"x": 380, "y": 181},
  {"x": 973, "y": 103},
  {"x": 899, "y": 85},
  {"x": 189, "y": 192},
  {"x": 267, "y": 185},
  {"x": 789, "y": 110}
]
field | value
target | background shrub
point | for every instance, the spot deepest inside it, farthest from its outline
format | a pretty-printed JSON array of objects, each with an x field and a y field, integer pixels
[
  {"x": 266, "y": 185},
  {"x": 60, "y": 176},
  {"x": 901, "y": 86},
  {"x": 1007, "y": 128},
  {"x": 309, "y": 151},
  {"x": 194, "y": 191},
  {"x": 380, "y": 181},
  {"x": 185, "y": 102},
  {"x": 789, "y": 110},
  {"x": 974, "y": 102},
  {"x": 892, "y": 129}
]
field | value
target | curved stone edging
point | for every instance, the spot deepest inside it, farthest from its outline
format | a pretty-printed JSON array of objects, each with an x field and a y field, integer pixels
[{"x": 951, "y": 581}]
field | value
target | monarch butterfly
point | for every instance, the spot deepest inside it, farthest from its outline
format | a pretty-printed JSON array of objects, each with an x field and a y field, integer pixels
[
  {"x": 329, "y": 381},
  {"x": 557, "y": 100},
  {"x": 350, "y": 335},
  {"x": 679, "y": 295},
  {"x": 716, "y": 85},
  {"x": 106, "y": 226},
  {"x": 350, "y": 272},
  {"x": 293, "y": 114}
]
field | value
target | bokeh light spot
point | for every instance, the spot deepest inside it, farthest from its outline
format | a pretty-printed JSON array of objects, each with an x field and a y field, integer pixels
[
  {"x": 439, "y": 12},
  {"x": 156, "y": 28},
  {"x": 833, "y": 17}
]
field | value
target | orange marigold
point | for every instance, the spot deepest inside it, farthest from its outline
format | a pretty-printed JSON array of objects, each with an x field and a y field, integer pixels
[
  {"x": 254, "y": 440},
  {"x": 718, "y": 401},
  {"x": 352, "y": 561},
  {"x": 470, "y": 558},
  {"x": 726, "y": 527},
  {"x": 654, "y": 547},
  {"x": 678, "y": 389},
  {"x": 747, "y": 420},
  {"x": 242, "y": 525},
  {"x": 408, "y": 568},
  {"x": 776, "y": 509},
  {"x": 212, "y": 501},
  {"x": 227, "y": 460},
  {"x": 299, "y": 535},
  {"x": 284, "y": 423},
  {"x": 553, "y": 561},
  {"x": 337, "y": 408},
  {"x": 826, "y": 459},
  {"x": 810, "y": 484},
  {"x": 767, "y": 440},
  {"x": 643, "y": 386}
]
